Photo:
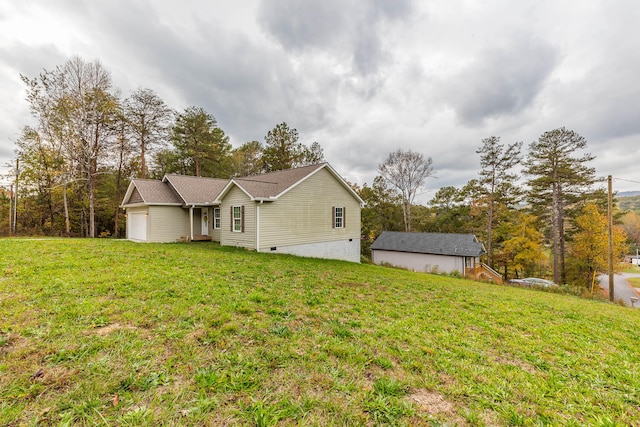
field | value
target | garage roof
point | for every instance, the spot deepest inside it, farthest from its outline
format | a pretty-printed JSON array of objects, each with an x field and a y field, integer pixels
[{"x": 429, "y": 243}]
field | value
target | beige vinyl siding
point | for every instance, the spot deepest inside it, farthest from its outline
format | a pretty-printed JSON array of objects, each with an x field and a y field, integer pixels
[
  {"x": 215, "y": 233},
  {"x": 167, "y": 223},
  {"x": 427, "y": 263},
  {"x": 305, "y": 214},
  {"x": 246, "y": 239}
]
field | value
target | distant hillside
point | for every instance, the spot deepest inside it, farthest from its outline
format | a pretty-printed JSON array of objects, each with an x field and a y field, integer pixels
[
  {"x": 628, "y": 194},
  {"x": 629, "y": 203}
]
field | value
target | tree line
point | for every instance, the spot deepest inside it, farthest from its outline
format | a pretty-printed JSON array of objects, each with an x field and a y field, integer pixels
[
  {"x": 86, "y": 143},
  {"x": 539, "y": 213}
]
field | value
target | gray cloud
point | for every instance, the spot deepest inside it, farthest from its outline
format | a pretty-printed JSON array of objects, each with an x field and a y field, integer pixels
[
  {"x": 501, "y": 81},
  {"x": 348, "y": 30},
  {"x": 362, "y": 78}
]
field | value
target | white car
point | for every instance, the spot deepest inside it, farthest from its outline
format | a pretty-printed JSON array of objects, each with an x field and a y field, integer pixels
[{"x": 533, "y": 281}]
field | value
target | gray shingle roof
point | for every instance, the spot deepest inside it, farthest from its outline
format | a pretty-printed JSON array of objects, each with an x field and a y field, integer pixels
[
  {"x": 155, "y": 192},
  {"x": 429, "y": 243},
  {"x": 194, "y": 190}
]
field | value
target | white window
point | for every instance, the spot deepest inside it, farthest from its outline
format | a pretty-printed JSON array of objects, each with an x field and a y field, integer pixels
[
  {"x": 216, "y": 218},
  {"x": 237, "y": 219},
  {"x": 339, "y": 217}
]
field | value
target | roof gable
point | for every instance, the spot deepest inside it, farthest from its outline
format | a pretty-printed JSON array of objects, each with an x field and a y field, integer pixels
[
  {"x": 195, "y": 190},
  {"x": 429, "y": 243},
  {"x": 150, "y": 192}
]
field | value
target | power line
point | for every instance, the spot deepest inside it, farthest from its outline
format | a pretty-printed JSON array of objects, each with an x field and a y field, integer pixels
[{"x": 626, "y": 180}]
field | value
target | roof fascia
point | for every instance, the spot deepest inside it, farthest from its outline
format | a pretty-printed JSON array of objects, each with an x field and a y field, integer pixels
[{"x": 137, "y": 205}]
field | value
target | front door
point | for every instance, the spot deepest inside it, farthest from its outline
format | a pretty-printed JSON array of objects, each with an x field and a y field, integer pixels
[{"x": 205, "y": 221}]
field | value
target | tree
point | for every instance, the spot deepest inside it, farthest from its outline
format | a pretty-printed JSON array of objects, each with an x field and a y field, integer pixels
[
  {"x": 522, "y": 250},
  {"x": 124, "y": 166},
  {"x": 496, "y": 181},
  {"x": 406, "y": 171},
  {"x": 559, "y": 178},
  {"x": 75, "y": 106},
  {"x": 246, "y": 160},
  {"x": 201, "y": 144},
  {"x": 590, "y": 245},
  {"x": 149, "y": 120},
  {"x": 450, "y": 212},
  {"x": 39, "y": 167},
  {"x": 379, "y": 213},
  {"x": 283, "y": 151},
  {"x": 631, "y": 225}
]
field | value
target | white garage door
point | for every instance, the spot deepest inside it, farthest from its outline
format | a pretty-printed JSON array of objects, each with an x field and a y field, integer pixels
[{"x": 137, "y": 226}]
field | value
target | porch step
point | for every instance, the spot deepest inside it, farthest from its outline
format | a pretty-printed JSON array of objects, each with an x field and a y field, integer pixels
[{"x": 195, "y": 239}]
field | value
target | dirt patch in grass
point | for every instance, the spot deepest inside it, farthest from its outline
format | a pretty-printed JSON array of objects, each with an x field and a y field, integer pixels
[
  {"x": 113, "y": 327},
  {"x": 517, "y": 363},
  {"x": 56, "y": 377},
  {"x": 432, "y": 402}
]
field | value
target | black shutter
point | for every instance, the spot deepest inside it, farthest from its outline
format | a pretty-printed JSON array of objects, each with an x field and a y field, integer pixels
[
  {"x": 242, "y": 216},
  {"x": 333, "y": 217},
  {"x": 231, "y": 217},
  {"x": 344, "y": 217}
]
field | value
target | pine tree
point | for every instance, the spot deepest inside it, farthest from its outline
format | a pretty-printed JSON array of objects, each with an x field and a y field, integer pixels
[
  {"x": 497, "y": 182},
  {"x": 559, "y": 178}
]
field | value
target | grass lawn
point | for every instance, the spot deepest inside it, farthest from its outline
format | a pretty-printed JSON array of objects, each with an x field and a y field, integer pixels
[
  {"x": 105, "y": 332},
  {"x": 632, "y": 269}
]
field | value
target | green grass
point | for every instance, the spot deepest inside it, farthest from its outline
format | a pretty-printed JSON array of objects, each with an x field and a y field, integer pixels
[
  {"x": 104, "y": 332},
  {"x": 632, "y": 269},
  {"x": 634, "y": 281}
]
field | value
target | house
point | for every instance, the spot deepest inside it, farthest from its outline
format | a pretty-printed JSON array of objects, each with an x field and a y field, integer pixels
[
  {"x": 431, "y": 252},
  {"x": 307, "y": 211}
]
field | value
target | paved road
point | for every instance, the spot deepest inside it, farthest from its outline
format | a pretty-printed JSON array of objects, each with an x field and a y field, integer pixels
[{"x": 621, "y": 288}]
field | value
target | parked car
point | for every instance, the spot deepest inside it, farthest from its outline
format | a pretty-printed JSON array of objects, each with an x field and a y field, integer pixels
[{"x": 533, "y": 281}]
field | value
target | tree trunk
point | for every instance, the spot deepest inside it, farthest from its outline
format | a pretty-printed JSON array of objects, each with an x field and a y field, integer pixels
[
  {"x": 555, "y": 214},
  {"x": 67, "y": 222},
  {"x": 490, "y": 229},
  {"x": 563, "y": 274},
  {"x": 143, "y": 163}
]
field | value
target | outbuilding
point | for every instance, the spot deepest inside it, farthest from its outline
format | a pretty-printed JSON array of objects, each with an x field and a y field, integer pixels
[{"x": 430, "y": 252}]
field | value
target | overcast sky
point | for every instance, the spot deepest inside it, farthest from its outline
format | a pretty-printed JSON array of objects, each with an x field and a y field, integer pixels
[{"x": 361, "y": 77}]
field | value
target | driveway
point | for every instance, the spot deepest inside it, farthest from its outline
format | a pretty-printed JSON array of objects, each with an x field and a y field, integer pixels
[{"x": 621, "y": 288}]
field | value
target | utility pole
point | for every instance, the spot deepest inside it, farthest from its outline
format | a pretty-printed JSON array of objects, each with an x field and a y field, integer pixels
[
  {"x": 610, "y": 211},
  {"x": 11, "y": 210},
  {"x": 15, "y": 201}
]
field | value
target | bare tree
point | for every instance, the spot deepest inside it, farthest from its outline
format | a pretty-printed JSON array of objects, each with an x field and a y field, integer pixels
[
  {"x": 406, "y": 171},
  {"x": 75, "y": 105}
]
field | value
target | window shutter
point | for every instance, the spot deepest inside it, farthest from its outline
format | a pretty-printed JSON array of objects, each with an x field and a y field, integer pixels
[
  {"x": 231, "y": 217},
  {"x": 344, "y": 217},
  {"x": 242, "y": 220},
  {"x": 333, "y": 217}
]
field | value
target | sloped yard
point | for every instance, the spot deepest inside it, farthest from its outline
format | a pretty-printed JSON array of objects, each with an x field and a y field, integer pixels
[{"x": 104, "y": 332}]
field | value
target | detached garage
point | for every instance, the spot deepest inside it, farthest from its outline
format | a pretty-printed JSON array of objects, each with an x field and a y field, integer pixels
[{"x": 429, "y": 252}]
